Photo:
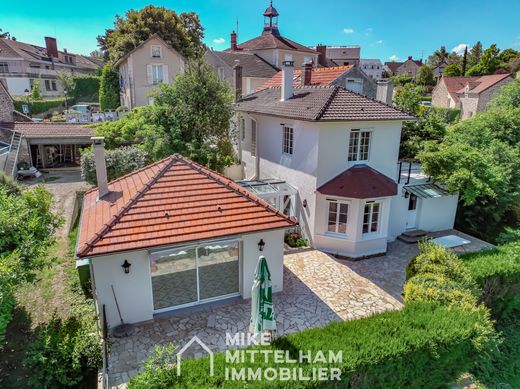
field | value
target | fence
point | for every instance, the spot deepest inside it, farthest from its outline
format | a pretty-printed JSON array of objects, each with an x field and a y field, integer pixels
[{"x": 107, "y": 116}]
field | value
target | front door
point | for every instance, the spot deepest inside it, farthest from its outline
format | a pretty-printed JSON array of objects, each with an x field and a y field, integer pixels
[{"x": 411, "y": 220}]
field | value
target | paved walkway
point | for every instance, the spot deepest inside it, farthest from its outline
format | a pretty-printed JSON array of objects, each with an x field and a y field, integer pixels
[{"x": 317, "y": 290}]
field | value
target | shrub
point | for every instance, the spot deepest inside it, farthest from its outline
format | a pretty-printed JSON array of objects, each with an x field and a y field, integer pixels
[
  {"x": 497, "y": 271},
  {"x": 109, "y": 88},
  {"x": 86, "y": 88},
  {"x": 119, "y": 162},
  {"x": 64, "y": 353},
  {"x": 295, "y": 239},
  {"x": 424, "y": 345},
  {"x": 39, "y": 106},
  {"x": 509, "y": 235}
]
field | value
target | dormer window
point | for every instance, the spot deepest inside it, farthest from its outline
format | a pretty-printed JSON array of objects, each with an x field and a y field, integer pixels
[{"x": 156, "y": 52}]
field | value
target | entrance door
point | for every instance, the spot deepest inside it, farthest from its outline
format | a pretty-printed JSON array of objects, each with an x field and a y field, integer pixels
[{"x": 411, "y": 220}]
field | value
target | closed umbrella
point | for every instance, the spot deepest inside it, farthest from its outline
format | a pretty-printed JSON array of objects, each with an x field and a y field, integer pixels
[{"x": 262, "y": 313}]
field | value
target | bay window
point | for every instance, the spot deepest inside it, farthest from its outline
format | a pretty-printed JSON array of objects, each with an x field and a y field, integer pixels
[
  {"x": 337, "y": 217},
  {"x": 371, "y": 217}
]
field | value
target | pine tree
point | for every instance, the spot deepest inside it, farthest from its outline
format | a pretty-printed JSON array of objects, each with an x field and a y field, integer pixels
[{"x": 465, "y": 60}]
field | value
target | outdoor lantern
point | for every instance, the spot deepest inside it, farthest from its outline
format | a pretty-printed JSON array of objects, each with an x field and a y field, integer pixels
[
  {"x": 304, "y": 203},
  {"x": 261, "y": 245},
  {"x": 126, "y": 266}
]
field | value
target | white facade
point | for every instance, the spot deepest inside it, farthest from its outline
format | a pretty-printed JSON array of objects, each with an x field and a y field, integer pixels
[
  {"x": 320, "y": 153},
  {"x": 372, "y": 68},
  {"x": 134, "y": 290}
]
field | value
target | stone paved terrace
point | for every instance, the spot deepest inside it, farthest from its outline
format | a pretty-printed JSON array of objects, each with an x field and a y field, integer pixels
[{"x": 318, "y": 289}]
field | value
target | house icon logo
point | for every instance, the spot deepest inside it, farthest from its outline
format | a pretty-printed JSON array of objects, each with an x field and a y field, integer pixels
[{"x": 188, "y": 345}]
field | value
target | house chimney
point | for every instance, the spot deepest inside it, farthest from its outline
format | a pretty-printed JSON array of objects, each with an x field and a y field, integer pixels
[
  {"x": 409, "y": 57},
  {"x": 322, "y": 54},
  {"x": 51, "y": 46},
  {"x": 233, "y": 41},
  {"x": 385, "y": 91},
  {"x": 306, "y": 74},
  {"x": 237, "y": 80},
  {"x": 101, "y": 167},
  {"x": 287, "y": 80}
]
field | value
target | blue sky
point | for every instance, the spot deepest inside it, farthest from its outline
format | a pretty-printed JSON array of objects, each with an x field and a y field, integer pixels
[{"x": 383, "y": 29}]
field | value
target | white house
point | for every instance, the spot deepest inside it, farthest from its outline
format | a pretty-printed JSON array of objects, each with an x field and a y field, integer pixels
[
  {"x": 172, "y": 235},
  {"x": 372, "y": 68},
  {"x": 338, "y": 151}
]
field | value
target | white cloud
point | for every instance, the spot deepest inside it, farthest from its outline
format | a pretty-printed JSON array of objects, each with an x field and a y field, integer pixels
[
  {"x": 348, "y": 30},
  {"x": 368, "y": 31},
  {"x": 379, "y": 42},
  {"x": 459, "y": 49},
  {"x": 219, "y": 41},
  {"x": 394, "y": 57}
]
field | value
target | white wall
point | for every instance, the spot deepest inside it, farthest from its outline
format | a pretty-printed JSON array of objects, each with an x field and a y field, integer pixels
[
  {"x": 17, "y": 85},
  {"x": 134, "y": 290},
  {"x": 438, "y": 213}
]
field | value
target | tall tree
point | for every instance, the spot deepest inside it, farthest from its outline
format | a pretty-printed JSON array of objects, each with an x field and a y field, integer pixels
[
  {"x": 109, "y": 88},
  {"x": 474, "y": 54},
  {"x": 452, "y": 70},
  {"x": 490, "y": 61},
  {"x": 465, "y": 60},
  {"x": 425, "y": 76},
  {"x": 439, "y": 57},
  {"x": 182, "y": 31}
]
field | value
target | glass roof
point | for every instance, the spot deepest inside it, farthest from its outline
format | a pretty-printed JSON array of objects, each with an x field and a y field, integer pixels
[
  {"x": 267, "y": 187},
  {"x": 427, "y": 191}
]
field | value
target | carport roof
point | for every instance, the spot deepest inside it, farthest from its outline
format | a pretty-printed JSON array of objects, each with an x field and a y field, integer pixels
[
  {"x": 170, "y": 202},
  {"x": 50, "y": 130}
]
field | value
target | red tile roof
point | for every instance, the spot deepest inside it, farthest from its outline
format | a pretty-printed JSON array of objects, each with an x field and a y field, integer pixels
[
  {"x": 50, "y": 130},
  {"x": 319, "y": 76},
  {"x": 359, "y": 182},
  {"x": 170, "y": 202},
  {"x": 273, "y": 41},
  {"x": 480, "y": 84}
]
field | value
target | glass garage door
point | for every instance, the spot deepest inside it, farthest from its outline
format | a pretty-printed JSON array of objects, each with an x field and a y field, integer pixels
[{"x": 193, "y": 275}]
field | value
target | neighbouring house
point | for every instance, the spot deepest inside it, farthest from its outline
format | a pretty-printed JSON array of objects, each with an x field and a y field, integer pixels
[
  {"x": 335, "y": 153},
  {"x": 23, "y": 63},
  {"x": 469, "y": 94},
  {"x": 349, "y": 77},
  {"x": 150, "y": 64},
  {"x": 272, "y": 46},
  {"x": 373, "y": 68},
  {"x": 338, "y": 55},
  {"x": 410, "y": 66},
  {"x": 255, "y": 70},
  {"x": 173, "y": 235}
]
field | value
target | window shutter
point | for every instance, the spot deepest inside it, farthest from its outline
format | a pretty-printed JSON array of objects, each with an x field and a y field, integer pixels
[
  {"x": 149, "y": 73},
  {"x": 165, "y": 74}
]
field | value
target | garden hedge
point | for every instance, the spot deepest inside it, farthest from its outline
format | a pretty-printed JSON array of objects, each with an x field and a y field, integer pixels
[
  {"x": 86, "y": 88},
  {"x": 423, "y": 345},
  {"x": 497, "y": 271},
  {"x": 40, "y": 106}
]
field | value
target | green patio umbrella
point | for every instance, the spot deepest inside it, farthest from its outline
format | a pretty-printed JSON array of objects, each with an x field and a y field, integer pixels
[{"x": 262, "y": 313}]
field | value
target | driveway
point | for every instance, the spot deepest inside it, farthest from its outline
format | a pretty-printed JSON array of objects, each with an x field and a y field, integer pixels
[{"x": 317, "y": 290}]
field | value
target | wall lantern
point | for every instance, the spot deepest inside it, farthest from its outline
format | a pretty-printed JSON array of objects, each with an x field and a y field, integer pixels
[
  {"x": 261, "y": 245},
  {"x": 304, "y": 203},
  {"x": 126, "y": 266}
]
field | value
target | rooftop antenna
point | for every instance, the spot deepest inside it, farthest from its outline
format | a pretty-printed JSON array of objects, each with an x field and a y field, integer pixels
[{"x": 237, "y": 27}]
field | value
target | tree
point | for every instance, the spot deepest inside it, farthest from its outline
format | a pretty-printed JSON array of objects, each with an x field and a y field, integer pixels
[
  {"x": 490, "y": 61},
  {"x": 190, "y": 117},
  {"x": 474, "y": 54},
  {"x": 464, "y": 61},
  {"x": 452, "y": 70},
  {"x": 508, "y": 97},
  {"x": 439, "y": 57},
  {"x": 36, "y": 93},
  {"x": 430, "y": 126},
  {"x": 67, "y": 81},
  {"x": 109, "y": 88},
  {"x": 425, "y": 76},
  {"x": 182, "y": 31},
  {"x": 409, "y": 97},
  {"x": 4, "y": 35},
  {"x": 97, "y": 54}
]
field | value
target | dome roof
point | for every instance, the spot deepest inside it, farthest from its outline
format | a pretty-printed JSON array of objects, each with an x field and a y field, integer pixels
[{"x": 271, "y": 11}]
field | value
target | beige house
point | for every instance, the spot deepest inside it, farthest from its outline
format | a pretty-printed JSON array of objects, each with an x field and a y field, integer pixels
[
  {"x": 410, "y": 66},
  {"x": 273, "y": 47},
  {"x": 469, "y": 94},
  {"x": 151, "y": 63}
]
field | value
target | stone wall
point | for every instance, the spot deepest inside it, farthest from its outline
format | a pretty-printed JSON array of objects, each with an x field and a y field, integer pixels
[
  {"x": 6, "y": 104},
  {"x": 440, "y": 95},
  {"x": 488, "y": 94}
]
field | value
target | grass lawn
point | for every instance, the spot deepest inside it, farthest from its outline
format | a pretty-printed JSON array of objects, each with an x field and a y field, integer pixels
[{"x": 52, "y": 291}]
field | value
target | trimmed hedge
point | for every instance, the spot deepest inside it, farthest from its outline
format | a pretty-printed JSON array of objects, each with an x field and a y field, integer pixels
[
  {"x": 497, "y": 271},
  {"x": 39, "y": 106},
  {"x": 423, "y": 345},
  {"x": 86, "y": 88}
]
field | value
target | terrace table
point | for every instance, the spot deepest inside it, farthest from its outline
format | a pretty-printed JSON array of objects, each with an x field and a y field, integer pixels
[{"x": 451, "y": 241}]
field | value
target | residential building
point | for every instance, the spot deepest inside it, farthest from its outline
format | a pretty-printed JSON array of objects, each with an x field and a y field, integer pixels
[
  {"x": 410, "y": 66},
  {"x": 350, "y": 77},
  {"x": 338, "y": 151},
  {"x": 174, "y": 235},
  {"x": 255, "y": 70},
  {"x": 272, "y": 46},
  {"x": 151, "y": 63},
  {"x": 23, "y": 63},
  {"x": 373, "y": 68},
  {"x": 469, "y": 94},
  {"x": 338, "y": 55}
]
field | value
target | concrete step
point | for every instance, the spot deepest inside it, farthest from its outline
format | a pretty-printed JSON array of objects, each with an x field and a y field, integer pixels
[
  {"x": 411, "y": 237},
  {"x": 414, "y": 233}
]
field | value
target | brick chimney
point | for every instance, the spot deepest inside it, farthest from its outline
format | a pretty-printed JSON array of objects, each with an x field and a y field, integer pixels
[
  {"x": 409, "y": 57},
  {"x": 234, "y": 41},
  {"x": 305, "y": 78},
  {"x": 322, "y": 54},
  {"x": 101, "y": 167},
  {"x": 237, "y": 80},
  {"x": 287, "y": 80},
  {"x": 52, "y": 46}
]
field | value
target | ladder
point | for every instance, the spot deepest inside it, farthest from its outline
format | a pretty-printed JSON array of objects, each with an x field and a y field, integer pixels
[{"x": 14, "y": 150}]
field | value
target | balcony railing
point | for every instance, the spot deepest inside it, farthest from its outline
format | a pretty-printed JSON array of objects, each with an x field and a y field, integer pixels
[{"x": 410, "y": 172}]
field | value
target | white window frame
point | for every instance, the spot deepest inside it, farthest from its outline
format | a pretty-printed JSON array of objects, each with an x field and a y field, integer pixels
[
  {"x": 152, "y": 47},
  {"x": 4, "y": 67},
  {"x": 221, "y": 74},
  {"x": 371, "y": 221},
  {"x": 287, "y": 140},
  {"x": 254, "y": 137},
  {"x": 354, "y": 151},
  {"x": 338, "y": 203},
  {"x": 155, "y": 74}
]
